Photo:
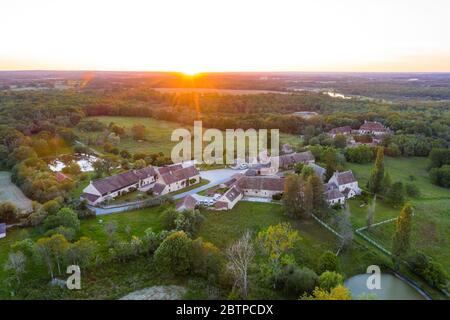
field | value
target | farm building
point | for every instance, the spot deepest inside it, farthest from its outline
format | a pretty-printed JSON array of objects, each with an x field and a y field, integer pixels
[
  {"x": 375, "y": 128},
  {"x": 346, "y": 130}
]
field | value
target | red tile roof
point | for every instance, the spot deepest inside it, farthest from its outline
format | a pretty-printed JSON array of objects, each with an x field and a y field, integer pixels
[{"x": 187, "y": 203}]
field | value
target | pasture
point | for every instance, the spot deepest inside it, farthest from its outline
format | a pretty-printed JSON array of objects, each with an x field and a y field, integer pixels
[
  {"x": 158, "y": 135},
  {"x": 431, "y": 220}
]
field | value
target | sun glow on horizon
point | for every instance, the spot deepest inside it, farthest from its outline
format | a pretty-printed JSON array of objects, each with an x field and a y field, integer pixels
[{"x": 223, "y": 36}]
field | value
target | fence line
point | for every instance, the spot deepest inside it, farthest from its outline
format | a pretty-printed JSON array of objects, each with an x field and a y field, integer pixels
[{"x": 325, "y": 225}]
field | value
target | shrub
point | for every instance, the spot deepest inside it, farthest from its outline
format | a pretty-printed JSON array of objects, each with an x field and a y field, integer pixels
[
  {"x": 430, "y": 270},
  {"x": 328, "y": 262},
  {"x": 206, "y": 259},
  {"x": 189, "y": 221},
  {"x": 65, "y": 218},
  {"x": 168, "y": 219},
  {"x": 173, "y": 256},
  {"x": 412, "y": 190},
  {"x": 297, "y": 281},
  {"x": 277, "y": 196},
  {"x": 330, "y": 279},
  {"x": 8, "y": 212}
]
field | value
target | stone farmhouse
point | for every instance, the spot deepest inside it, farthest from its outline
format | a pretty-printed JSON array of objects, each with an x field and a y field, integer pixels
[
  {"x": 288, "y": 161},
  {"x": 161, "y": 180},
  {"x": 341, "y": 186},
  {"x": 174, "y": 178},
  {"x": 251, "y": 186},
  {"x": 347, "y": 130}
]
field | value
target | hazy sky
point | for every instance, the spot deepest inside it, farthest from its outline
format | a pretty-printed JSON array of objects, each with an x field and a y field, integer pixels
[{"x": 226, "y": 35}]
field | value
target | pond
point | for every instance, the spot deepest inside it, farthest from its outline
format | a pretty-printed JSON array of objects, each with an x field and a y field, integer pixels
[
  {"x": 84, "y": 161},
  {"x": 392, "y": 288}
]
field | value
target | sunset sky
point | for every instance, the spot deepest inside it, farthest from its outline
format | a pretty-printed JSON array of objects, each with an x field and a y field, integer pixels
[{"x": 225, "y": 35}]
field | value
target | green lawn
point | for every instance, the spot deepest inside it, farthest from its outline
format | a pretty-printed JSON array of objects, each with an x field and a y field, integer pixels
[
  {"x": 158, "y": 134},
  {"x": 400, "y": 169},
  {"x": 223, "y": 227}
]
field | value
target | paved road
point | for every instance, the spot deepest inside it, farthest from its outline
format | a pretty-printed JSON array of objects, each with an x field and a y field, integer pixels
[{"x": 215, "y": 178}]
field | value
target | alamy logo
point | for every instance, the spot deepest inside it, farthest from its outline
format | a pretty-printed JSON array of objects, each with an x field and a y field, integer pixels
[
  {"x": 73, "y": 282},
  {"x": 235, "y": 146},
  {"x": 374, "y": 280}
]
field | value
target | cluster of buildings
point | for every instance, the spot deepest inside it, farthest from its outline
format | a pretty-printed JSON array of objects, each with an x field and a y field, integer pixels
[
  {"x": 253, "y": 184},
  {"x": 374, "y": 128},
  {"x": 161, "y": 180}
]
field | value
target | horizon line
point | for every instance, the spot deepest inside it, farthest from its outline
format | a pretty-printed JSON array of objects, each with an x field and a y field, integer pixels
[{"x": 209, "y": 72}]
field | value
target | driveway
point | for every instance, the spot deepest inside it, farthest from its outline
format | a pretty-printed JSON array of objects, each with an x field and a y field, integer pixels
[{"x": 215, "y": 178}]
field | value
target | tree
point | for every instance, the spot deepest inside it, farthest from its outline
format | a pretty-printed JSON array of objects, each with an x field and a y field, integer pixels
[
  {"x": 340, "y": 141},
  {"x": 402, "y": 236},
  {"x": 277, "y": 240},
  {"x": 338, "y": 293},
  {"x": 72, "y": 168},
  {"x": 65, "y": 217},
  {"x": 328, "y": 261},
  {"x": 51, "y": 251},
  {"x": 173, "y": 256},
  {"x": 189, "y": 221},
  {"x": 439, "y": 157},
  {"x": 139, "y": 164},
  {"x": 168, "y": 219},
  {"x": 240, "y": 254},
  {"x": 345, "y": 227},
  {"x": 318, "y": 202},
  {"x": 297, "y": 280},
  {"x": 330, "y": 279},
  {"x": 292, "y": 198},
  {"x": 371, "y": 212},
  {"x": 412, "y": 190},
  {"x": 386, "y": 183},
  {"x": 396, "y": 195},
  {"x": 298, "y": 167},
  {"x": 8, "y": 212},
  {"x": 441, "y": 176},
  {"x": 331, "y": 161},
  {"x": 308, "y": 199},
  {"x": 16, "y": 264},
  {"x": 138, "y": 131},
  {"x": 375, "y": 180},
  {"x": 206, "y": 259},
  {"x": 82, "y": 252}
]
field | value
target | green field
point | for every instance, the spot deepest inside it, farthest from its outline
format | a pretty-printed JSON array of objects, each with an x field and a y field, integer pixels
[
  {"x": 157, "y": 137},
  {"x": 431, "y": 222},
  {"x": 221, "y": 228},
  {"x": 413, "y": 169}
]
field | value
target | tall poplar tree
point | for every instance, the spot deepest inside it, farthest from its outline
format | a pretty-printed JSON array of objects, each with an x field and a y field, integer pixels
[
  {"x": 402, "y": 237},
  {"x": 376, "y": 177}
]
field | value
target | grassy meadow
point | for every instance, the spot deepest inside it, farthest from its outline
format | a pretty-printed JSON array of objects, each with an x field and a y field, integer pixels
[
  {"x": 431, "y": 222},
  {"x": 157, "y": 137}
]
